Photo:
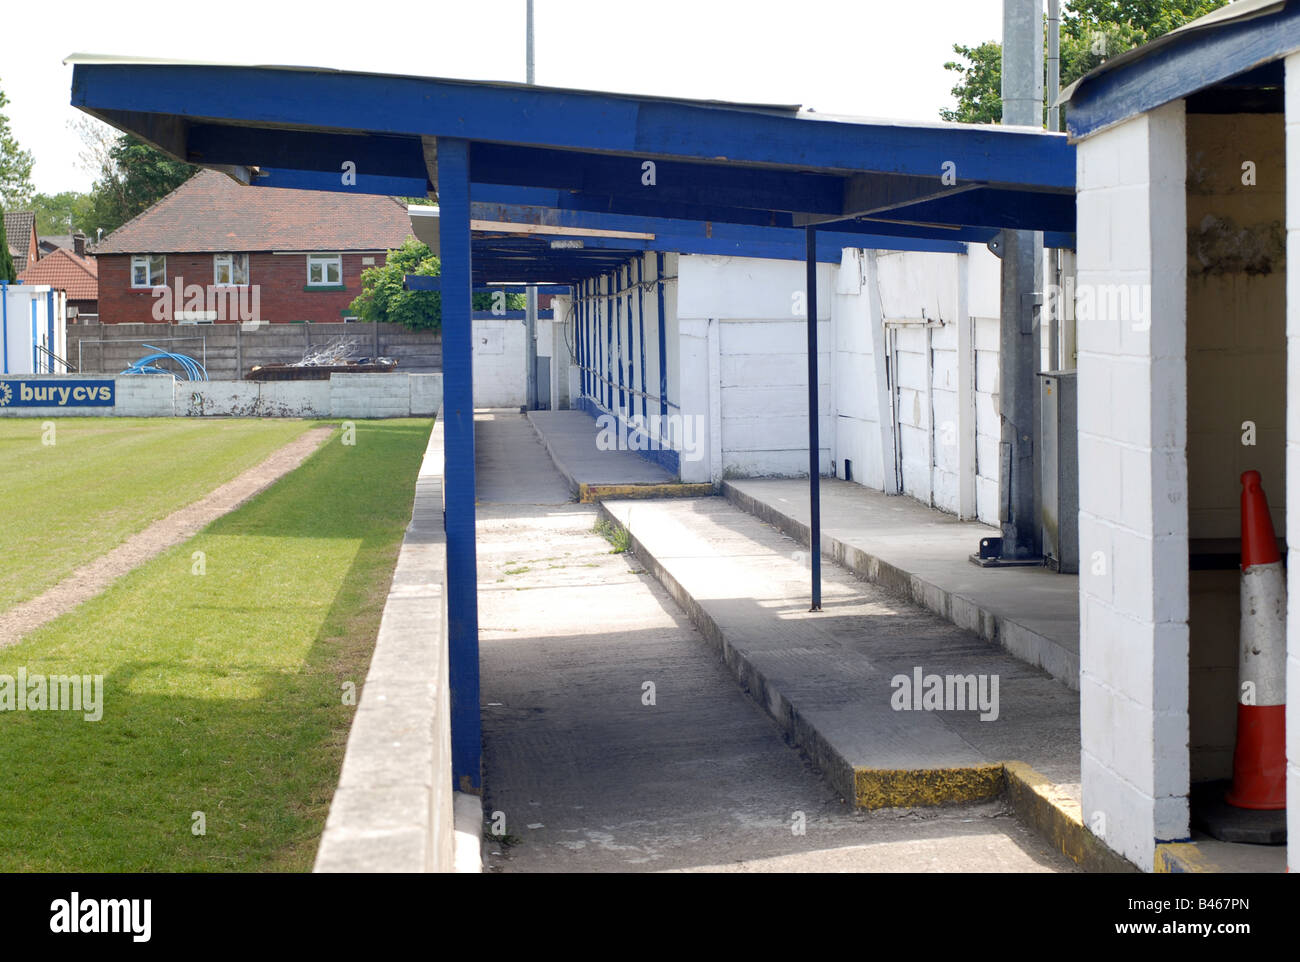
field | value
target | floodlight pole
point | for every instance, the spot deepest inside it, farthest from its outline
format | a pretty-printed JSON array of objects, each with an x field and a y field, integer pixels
[
  {"x": 1018, "y": 356},
  {"x": 530, "y": 296}
]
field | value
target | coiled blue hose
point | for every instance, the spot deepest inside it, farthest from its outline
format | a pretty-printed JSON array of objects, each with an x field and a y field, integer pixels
[{"x": 192, "y": 369}]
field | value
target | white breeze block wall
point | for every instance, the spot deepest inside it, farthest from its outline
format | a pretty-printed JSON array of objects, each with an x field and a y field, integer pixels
[
  {"x": 984, "y": 307},
  {"x": 564, "y": 372},
  {"x": 499, "y": 372},
  {"x": 1133, "y": 586},
  {"x": 368, "y": 396},
  {"x": 1293, "y": 455},
  {"x": 762, "y": 368},
  {"x": 863, "y": 439},
  {"x": 940, "y": 313},
  {"x": 917, "y": 292},
  {"x": 304, "y": 399},
  {"x": 426, "y": 394}
]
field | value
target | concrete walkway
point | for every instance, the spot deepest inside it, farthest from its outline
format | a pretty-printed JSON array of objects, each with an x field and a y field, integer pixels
[
  {"x": 829, "y": 674},
  {"x": 570, "y": 437},
  {"x": 616, "y": 740},
  {"x": 924, "y": 555}
]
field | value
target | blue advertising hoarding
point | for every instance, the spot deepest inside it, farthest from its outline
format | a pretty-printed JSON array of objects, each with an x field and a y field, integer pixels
[{"x": 18, "y": 392}]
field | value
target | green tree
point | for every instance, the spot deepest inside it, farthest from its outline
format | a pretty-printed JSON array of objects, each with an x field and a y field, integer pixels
[
  {"x": 383, "y": 299},
  {"x": 1091, "y": 32},
  {"x": 15, "y": 165},
  {"x": 131, "y": 177},
  {"x": 63, "y": 213},
  {"x": 7, "y": 272}
]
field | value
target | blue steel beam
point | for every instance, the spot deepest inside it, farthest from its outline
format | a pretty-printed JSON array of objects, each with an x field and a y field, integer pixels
[
  {"x": 551, "y": 207},
  {"x": 724, "y": 237},
  {"x": 673, "y": 182},
  {"x": 458, "y": 491},
  {"x": 156, "y": 99}
]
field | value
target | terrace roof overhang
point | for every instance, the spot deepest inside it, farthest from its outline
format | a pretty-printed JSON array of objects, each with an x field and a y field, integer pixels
[
  {"x": 714, "y": 177},
  {"x": 620, "y": 173},
  {"x": 1229, "y": 61}
]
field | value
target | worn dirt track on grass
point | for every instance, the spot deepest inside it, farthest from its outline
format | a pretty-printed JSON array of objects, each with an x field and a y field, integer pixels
[{"x": 181, "y": 525}]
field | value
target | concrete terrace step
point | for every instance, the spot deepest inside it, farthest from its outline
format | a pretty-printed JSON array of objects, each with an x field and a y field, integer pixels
[
  {"x": 827, "y": 677},
  {"x": 592, "y": 473},
  {"x": 924, "y": 555}
]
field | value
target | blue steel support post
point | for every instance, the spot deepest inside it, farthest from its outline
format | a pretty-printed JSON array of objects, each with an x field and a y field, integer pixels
[
  {"x": 618, "y": 332},
  {"x": 640, "y": 323},
  {"x": 631, "y": 350},
  {"x": 663, "y": 338},
  {"x": 458, "y": 490},
  {"x": 609, "y": 343},
  {"x": 580, "y": 333},
  {"x": 814, "y": 443}
]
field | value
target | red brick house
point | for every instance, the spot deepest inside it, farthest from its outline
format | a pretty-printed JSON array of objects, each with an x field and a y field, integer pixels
[
  {"x": 72, "y": 272},
  {"x": 20, "y": 232},
  {"x": 213, "y": 251}
]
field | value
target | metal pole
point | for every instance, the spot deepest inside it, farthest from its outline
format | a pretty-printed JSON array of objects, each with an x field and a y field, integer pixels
[
  {"x": 1020, "y": 352},
  {"x": 529, "y": 78},
  {"x": 1053, "y": 63},
  {"x": 530, "y": 295},
  {"x": 1054, "y": 124},
  {"x": 814, "y": 442}
]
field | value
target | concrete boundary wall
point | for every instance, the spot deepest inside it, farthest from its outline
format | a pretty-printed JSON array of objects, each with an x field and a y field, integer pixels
[
  {"x": 395, "y": 808},
  {"x": 230, "y": 350},
  {"x": 342, "y": 396}
]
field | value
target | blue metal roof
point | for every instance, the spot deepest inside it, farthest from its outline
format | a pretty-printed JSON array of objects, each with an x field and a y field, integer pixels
[
  {"x": 583, "y": 156},
  {"x": 1238, "y": 46}
]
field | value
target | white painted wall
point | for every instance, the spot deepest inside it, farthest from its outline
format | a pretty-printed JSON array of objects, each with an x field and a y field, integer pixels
[
  {"x": 736, "y": 362},
  {"x": 499, "y": 372},
  {"x": 750, "y": 305},
  {"x": 1133, "y": 530},
  {"x": 1293, "y": 454},
  {"x": 914, "y": 315},
  {"x": 862, "y": 439}
]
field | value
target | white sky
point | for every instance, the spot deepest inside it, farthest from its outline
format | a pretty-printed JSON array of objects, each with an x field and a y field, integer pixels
[{"x": 879, "y": 58}]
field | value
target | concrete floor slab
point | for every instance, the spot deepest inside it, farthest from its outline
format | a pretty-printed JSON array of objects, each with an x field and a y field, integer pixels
[
  {"x": 924, "y": 554},
  {"x": 830, "y": 676},
  {"x": 587, "y": 775},
  {"x": 570, "y": 438}
]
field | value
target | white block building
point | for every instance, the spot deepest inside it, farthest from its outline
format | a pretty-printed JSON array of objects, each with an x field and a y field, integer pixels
[
  {"x": 908, "y": 345},
  {"x": 1184, "y": 227}
]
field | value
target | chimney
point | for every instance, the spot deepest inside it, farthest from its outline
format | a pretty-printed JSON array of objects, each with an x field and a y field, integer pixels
[{"x": 79, "y": 244}]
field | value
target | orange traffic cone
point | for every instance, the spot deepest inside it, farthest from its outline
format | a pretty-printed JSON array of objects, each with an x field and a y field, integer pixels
[{"x": 1259, "y": 761}]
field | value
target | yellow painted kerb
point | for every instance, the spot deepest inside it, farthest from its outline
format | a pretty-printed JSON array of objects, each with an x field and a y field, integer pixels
[{"x": 588, "y": 493}]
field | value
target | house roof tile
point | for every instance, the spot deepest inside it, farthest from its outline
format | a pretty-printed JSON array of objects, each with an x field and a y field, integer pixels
[
  {"x": 19, "y": 227},
  {"x": 77, "y": 276},
  {"x": 210, "y": 212}
]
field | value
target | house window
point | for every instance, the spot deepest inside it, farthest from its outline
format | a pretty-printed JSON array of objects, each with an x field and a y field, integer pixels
[
  {"x": 229, "y": 269},
  {"x": 324, "y": 270},
  {"x": 148, "y": 270}
]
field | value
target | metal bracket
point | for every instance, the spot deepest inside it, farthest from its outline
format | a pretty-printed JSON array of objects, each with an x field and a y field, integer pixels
[
  {"x": 1028, "y": 301},
  {"x": 995, "y": 244}
]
